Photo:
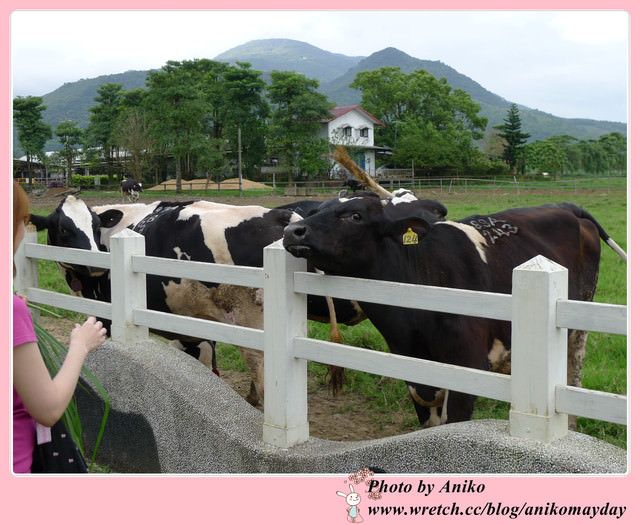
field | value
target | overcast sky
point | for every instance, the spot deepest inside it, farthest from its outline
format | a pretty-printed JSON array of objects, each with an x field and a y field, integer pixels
[{"x": 568, "y": 63}]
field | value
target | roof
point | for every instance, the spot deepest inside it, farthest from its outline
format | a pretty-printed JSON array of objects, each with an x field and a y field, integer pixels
[{"x": 343, "y": 110}]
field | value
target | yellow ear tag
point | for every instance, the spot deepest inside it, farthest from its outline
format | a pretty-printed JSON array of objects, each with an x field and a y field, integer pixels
[{"x": 410, "y": 237}]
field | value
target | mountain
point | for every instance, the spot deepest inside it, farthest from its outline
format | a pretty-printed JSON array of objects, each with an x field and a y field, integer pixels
[
  {"x": 335, "y": 72},
  {"x": 538, "y": 123},
  {"x": 283, "y": 54},
  {"x": 72, "y": 100},
  {"x": 339, "y": 88}
]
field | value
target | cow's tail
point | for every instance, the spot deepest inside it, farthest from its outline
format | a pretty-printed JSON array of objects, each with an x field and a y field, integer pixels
[
  {"x": 584, "y": 214},
  {"x": 614, "y": 246}
]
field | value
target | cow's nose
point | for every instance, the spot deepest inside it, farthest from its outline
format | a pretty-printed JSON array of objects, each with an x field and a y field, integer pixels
[{"x": 296, "y": 232}]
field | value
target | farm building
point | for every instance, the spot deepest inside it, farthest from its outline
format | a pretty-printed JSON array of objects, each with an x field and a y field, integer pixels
[{"x": 353, "y": 127}]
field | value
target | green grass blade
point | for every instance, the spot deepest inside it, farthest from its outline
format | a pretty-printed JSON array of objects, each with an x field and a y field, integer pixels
[{"x": 53, "y": 353}]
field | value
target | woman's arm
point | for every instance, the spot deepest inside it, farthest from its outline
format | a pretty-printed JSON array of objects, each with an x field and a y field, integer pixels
[{"x": 45, "y": 398}]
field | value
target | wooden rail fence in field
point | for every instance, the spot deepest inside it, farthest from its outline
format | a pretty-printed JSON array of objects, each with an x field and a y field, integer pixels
[{"x": 538, "y": 309}]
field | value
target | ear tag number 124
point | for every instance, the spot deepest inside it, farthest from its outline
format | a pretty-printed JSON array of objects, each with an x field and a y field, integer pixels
[{"x": 410, "y": 237}]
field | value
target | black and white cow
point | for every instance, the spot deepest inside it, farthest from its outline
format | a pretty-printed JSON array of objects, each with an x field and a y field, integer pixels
[
  {"x": 199, "y": 231},
  {"x": 361, "y": 238},
  {"x": 131, "y": 188},
  {"x": 202, "y": 231}
]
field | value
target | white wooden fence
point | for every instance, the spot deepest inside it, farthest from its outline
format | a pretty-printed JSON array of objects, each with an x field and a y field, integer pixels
[{"x": 538, "y": 309}]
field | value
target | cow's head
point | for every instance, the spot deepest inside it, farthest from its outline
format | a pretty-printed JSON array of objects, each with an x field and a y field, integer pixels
[
  {"x": 116, "y": 217},
  {"x": 345, "y": 236},
  {"x": 72, "y": 225}
]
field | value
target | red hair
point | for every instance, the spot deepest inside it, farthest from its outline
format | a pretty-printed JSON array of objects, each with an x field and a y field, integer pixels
[{"x": 20, "y": 208}]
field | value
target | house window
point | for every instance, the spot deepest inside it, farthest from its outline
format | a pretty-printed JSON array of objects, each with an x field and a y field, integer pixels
[
  {"x": 364, "y": 132},
  {"x": 346, "y": 131}
]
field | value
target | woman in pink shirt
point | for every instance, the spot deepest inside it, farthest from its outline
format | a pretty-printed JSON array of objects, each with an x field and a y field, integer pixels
[{"x": 37, "y": 396}]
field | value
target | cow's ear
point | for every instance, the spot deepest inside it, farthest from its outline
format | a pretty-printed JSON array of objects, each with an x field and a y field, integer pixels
[
  {"x": 409, "y": 231},
  {"x": 39, "y": 221},
  {"x": 109, "y": 218}
]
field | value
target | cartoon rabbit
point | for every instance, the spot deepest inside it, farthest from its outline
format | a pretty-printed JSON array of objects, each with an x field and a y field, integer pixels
[{"x": 353, "y": 512}]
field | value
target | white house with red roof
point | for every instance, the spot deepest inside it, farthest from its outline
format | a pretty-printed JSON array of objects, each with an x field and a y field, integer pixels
[{"x": 353, "y": 127}]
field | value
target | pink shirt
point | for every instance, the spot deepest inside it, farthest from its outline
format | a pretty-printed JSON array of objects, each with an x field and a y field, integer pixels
[{"x": 24, "y": 426}]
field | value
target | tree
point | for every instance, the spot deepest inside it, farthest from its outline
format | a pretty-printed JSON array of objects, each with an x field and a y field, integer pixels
[
  {"x": 298, "y": 111},
  {"x": 596, "y": 156},
  {"x": 132, "y": 133},
  {"x": 33, "y": 133},
  {"x": 247, "y": 110},
  {"x": 426, "y": 120},
  {"x": 615, "y": 146},
  {"x": 71, "y": 137},
  {"x": 545, "y": 156},
  {"x": 197, "y": 109},
  {"x": 494, "y": 144},
  {"x": 180, "y": 117},
  {"x": 383, "y": 96},
  {"x": 238, "y": 109},
  {"x": 101, "y": 130},
  {"x": 511, "y": 132}
]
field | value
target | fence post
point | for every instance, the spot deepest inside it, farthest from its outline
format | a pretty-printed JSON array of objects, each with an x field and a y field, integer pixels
[
  {"x": 285, "y": 376},
  {"x": 538, "y": 350},
  {"x": 26, "y": 268},
  {"x": 128, "y": 288}
]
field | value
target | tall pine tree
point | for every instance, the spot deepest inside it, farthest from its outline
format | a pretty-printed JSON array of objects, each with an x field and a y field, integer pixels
[{"x": 511, "y": 131}]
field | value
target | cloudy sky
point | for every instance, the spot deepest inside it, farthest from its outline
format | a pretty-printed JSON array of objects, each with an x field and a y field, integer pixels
[{"x": 568, "y": 63}]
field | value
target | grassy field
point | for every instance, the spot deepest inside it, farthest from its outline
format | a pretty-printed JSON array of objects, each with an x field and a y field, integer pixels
[{"x": 605, "y": 365}]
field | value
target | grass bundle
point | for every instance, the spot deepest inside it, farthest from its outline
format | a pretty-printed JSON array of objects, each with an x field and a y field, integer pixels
[{"x": 53, "y": 353}]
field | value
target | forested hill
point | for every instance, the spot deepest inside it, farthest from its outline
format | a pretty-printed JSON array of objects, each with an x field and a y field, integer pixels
[
  {"x": 290, "y": 55},
  {"x": 334, "y": 72},
  {"x": 72, "y": 100},
  {"x": 339, "y": 87},
  {"x": 538, "y": 123}
]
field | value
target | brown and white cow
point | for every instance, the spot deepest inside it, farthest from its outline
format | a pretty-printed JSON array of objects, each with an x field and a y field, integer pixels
[{"x": 360, "y": 237}]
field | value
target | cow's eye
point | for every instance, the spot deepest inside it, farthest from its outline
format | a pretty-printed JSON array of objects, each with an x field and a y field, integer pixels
[{"x": 355, "y": 216}]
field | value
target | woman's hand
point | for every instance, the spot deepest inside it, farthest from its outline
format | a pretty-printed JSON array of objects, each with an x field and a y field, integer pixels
[{"x": 91, "y": 334}]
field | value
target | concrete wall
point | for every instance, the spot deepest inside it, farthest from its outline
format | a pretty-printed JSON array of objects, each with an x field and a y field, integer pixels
[{"x": 171, "y": 415}]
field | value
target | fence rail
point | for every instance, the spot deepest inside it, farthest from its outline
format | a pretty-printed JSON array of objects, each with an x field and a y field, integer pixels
[
  {"x": 403, "y": 178},
  {"x": 538, "y": 309},
  {"x": 436, "y": 184}
]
